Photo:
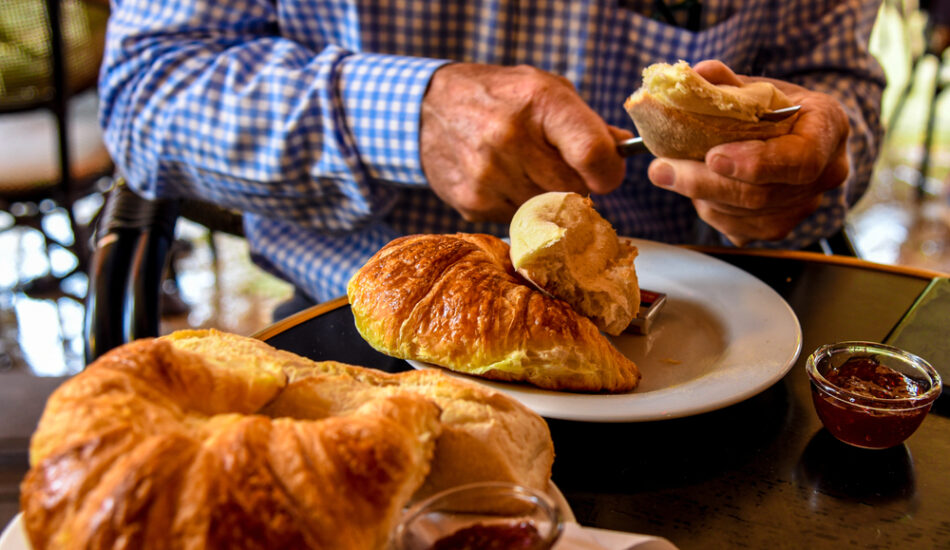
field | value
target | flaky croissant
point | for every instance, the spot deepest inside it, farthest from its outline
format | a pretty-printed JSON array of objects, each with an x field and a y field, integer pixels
[
  {"x": 153, "y": 447},
  {"x": 456, "y": 301},
  {"x": 204, "y": 439}
]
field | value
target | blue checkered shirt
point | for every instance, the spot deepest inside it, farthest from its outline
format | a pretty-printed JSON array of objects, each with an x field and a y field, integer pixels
[{"x": 304, "y": 114}]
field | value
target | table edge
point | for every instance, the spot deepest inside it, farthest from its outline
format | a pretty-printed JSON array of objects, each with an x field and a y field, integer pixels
[
  {"x": 299, "y": 317},
  {"x": 818, "y": 257}
]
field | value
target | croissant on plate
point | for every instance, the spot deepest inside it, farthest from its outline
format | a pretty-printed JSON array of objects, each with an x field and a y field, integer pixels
[{"x": 456, "y": 301}]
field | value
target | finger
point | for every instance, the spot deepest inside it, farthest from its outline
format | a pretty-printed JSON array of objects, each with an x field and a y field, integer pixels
[
  {"x": 742, "y": 227},
  {"x": 584, "y": 141},
  {"x": 505, "y": 177},
  {"x": 717, "y": 72},
  {"x": 695, "y": 180},
  {"x": 799, "y": 157},
  {"x": 619, "y": 134},
  {"x": 480, "y": 204},
  {"x": 550, "y": 173},
  {"x": 528, "y": 167},
  {"x": 542, "y": 168},
  {"x": 525, "y": 180},
  {"x": 837, "y": 170},
  {"x": 460, "y": 185}
]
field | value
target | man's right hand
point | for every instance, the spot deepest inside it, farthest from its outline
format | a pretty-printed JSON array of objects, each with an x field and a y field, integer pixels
[{"x": 492, "y": 137}]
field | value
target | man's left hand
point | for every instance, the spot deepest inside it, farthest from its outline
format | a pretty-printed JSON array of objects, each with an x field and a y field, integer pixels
[{"x": 761, "y": 190}]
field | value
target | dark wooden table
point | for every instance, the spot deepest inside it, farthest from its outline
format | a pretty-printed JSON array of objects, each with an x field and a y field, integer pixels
[{"x": 760, "y": 474}]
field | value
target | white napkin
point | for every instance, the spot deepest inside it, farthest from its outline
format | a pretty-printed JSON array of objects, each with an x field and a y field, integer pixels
[{"x": 578, "y": 537}]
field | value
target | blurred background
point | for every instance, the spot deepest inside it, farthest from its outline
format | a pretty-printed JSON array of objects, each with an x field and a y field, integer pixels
[{"x": 48, "y": 105}]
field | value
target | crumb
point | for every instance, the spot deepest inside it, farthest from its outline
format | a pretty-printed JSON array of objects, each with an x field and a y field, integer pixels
[{"x": 671, "y": 361}]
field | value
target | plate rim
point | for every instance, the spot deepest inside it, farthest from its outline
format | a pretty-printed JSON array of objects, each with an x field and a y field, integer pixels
[
  {"x": 15, "y": 534},
  {"x": 515, "y": 390}
]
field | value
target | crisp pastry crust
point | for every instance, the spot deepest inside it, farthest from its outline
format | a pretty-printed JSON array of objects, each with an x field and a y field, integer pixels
[
  {"x": 456, "y": 301},
  {"x": 205, "y": 440},
  {"x": 673, "y": 133}
]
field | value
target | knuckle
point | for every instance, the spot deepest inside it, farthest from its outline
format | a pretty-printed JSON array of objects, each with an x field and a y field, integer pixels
[
  {"x": 535, "y": 78},
  {"x": 756, "y": 170},
  {"x": 540, "y": 85}
]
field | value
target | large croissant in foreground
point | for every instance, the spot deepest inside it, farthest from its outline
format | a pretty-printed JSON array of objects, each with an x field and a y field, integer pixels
[
  {"x": 456, "y": 301},
  {"x": 210, "y": 440}
]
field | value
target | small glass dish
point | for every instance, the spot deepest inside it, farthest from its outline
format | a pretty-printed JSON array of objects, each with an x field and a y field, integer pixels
[
  {"x": 871, "y": 395},
  {"x": 480, "y": 515}
]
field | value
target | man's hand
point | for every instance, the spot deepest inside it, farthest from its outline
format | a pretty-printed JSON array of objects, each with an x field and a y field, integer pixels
[
  {"x": 492, "y": 137},
  {"x": 754, "y": 190}
]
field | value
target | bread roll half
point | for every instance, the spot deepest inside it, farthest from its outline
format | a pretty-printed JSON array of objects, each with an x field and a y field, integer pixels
[
  {"x": 680, "y": 114},
  {"x": 561, "y": 244}
]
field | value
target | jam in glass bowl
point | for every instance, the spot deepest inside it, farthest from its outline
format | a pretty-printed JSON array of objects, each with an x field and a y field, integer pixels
[
  {"x": 871, "y": 395},
  {"x": 484, "y": 515}
]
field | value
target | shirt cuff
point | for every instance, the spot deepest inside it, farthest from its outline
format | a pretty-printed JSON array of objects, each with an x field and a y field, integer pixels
[{"x": 382, "y": 98}]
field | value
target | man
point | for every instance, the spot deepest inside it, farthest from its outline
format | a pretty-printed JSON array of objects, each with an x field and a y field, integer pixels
[{"x": 339, "y": 125}]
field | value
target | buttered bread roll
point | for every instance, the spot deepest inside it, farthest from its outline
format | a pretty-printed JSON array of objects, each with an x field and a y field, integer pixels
[
  {"x": 680, "y": 114},
  {"x": 561, "y": 244},
  {"x": 204, "y": 439},
  {"x": 457, "y": 302}
]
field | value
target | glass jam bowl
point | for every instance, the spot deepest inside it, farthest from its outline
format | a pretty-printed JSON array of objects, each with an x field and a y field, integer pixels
[
  {"x": 480, "y": 515},
  {"x": 871, "y": 395}
]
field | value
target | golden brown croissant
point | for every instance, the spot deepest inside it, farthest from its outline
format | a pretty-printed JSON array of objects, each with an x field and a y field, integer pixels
[
  {"x": 456, "y": 301},
  {"x": 153, "y": 447},
  {"x": 204, "y": 439}
]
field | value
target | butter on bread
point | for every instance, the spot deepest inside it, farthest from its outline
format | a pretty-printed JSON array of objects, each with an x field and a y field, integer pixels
[
  {"x": 204, "y": 439},
  {"x": 561, "y": 244},
  {"x": 456, "y": 301},
  {"x": 680, "y": 114}
]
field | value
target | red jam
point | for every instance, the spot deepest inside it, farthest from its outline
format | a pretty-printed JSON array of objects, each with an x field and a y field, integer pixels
[
  {"x": 866, "y": 377},
  {"x": 501, "y": 536},
  {"x": 875, "y": 428}
]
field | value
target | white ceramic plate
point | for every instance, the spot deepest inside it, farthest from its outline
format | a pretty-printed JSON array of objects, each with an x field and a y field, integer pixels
[
  {"x": 14, "y": 535},
  {"x": 722, "y": 337}
]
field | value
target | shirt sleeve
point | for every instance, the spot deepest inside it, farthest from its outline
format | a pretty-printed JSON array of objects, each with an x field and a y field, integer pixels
[
  {"x": 204, "y": 99},
  {"x": 823, "y": 46}
]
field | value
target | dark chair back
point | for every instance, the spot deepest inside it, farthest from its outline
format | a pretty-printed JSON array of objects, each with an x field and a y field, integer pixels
[{"x": 128, "y": 263}]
